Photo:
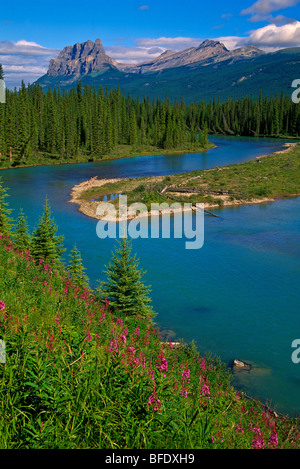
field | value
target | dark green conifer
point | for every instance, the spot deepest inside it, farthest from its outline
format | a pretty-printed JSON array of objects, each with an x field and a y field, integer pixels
[
  {"x": 46, "y": 245},
  {"x": 5, "y": 211},
  {"x": 77, "y": 270},
  {"x": 124, "y": 288},
  {"x": 22, "y": 238}
]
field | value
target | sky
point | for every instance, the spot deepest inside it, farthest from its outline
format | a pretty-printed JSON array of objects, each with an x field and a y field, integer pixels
[{"x": 33, "y": 32}]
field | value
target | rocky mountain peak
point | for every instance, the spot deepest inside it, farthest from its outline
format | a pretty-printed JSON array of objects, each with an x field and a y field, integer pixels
[
  {"x": 81, "y": 59},
  {"x": 208, "y": 43}
]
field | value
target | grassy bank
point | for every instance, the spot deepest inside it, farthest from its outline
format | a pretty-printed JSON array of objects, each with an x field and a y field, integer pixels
[
  {"x": 261, "y": 180},
  {"x": 79, "y": 376},
  {"x": 120, "y": 151}
]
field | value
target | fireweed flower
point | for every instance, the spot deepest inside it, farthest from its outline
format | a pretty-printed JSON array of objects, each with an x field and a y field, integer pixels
[
  {"x": 186, "y": 374},
  {"x": 205, "y": 391},
  {"x": 2, "y": 305},
  {"x": 123, "y": 336},
  {"x": 203, "y": 364},
  {"x": 273, "y": 440},
  {"x": 183, "y": 392},
  {"x": 154, "y": 401},
  {"x": 258, "y": 443},
  {"x": 119, "y": 321},
  {"x": 163, "y": 366},
  {"x": 239, "y": 429}
]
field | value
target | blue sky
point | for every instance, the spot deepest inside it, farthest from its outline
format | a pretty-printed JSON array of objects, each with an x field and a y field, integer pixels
[{"x": 136, "y": 31}]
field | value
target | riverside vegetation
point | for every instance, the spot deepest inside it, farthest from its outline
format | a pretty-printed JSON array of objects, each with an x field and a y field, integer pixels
[
  {"x": 263, "y": 179},
  {"x": 55, "y": 126},
  {"x": 88, "y": 369}
]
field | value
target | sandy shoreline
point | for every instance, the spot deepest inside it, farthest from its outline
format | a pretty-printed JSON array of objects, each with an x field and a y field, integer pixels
[{"x": 89, "y": 208}]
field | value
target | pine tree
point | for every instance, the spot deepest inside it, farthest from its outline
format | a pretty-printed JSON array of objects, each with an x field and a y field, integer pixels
[
  {"x": 5, "y": 220},
  {"x": 204, "y": 136},
  {"x": 46, "y": 245},
  {"x": 77, "y": 270},
  {"x": 22, "y": 238},
  {"x": 124, "y": 288}
]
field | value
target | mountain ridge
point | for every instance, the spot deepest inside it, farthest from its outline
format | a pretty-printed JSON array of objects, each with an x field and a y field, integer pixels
[
  {"x": 208, "y": 71},
  {"x": 89, "y": 57}
]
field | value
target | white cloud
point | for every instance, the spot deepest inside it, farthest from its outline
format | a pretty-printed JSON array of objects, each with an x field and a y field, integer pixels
[
  {"x": 273, "y": 36},
  {"x": 173, "y": 43},
  {"x": 264, "y": 7},
  {"x": 24, "y": 60},
  {"x": 269, "y": 38},
  {"x": 23, "y": 47},
  {"x": 147, "y": 49},
  {"x": 133, "y": 55}
]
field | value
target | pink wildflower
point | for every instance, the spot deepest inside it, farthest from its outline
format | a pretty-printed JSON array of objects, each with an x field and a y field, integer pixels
[
  {"x": 205, "y": 391},
  {"x": 154, "y": 401},
  {"x": 163, "y": 366},
  {"x": 203, "y": 364},
  {"x": 183, "y": 392},
  {"x": 258, "y": 443},
  {"x": 2, "y": 305},
  {"x": 273, "y": 440},
  {"x": 239, "y": 429},
  {"x": 186, "y": 374}
]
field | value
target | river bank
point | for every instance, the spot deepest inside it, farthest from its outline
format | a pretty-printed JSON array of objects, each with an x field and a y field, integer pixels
[
  {"x": 170, "y": 189},
  {"x": 120, "y": 152}
]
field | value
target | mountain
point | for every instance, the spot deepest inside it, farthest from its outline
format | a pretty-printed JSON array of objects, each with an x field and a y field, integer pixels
[
  {"x": 209, "y": 71},
  {"x": 81, "y": 59},
  {"x": 207, "y": 53}
]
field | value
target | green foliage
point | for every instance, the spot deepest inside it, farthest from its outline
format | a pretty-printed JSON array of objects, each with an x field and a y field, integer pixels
[
  {"x": 103, "y": 383},
  {"x": 277, "y": 175},
  {"x": 46, "y": 245},
  {"x": 5, "y": 220},
  {"x": 84, "y": 124},
  {"x": 77, "y": 270},
  {"x": 124, "y": 287},
  {"x": 21, "y": 236}
]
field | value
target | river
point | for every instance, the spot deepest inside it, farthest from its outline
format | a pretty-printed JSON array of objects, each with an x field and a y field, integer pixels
[{"x": 237, "y": 297}]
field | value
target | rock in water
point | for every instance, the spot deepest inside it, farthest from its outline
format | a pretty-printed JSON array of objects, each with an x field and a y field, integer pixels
[{"x": 237, "y": 364}]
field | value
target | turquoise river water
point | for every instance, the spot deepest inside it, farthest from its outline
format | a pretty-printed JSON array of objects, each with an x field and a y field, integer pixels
[{"x": 237, "y": 297}]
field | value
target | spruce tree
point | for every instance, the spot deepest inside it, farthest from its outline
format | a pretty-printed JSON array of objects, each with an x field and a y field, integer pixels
[
  {"x": 204, "y": 136},
  {"x": 22, "y": 238},
  {"x": 5, "y": 220},
  {"x": 46, "y": 245},
  {"x": 124, "y": 288},
  {"x": 77, "y": 270}
]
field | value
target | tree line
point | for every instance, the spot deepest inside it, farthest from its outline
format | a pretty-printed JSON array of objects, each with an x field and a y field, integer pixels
[{"x": 90, "y": 122}]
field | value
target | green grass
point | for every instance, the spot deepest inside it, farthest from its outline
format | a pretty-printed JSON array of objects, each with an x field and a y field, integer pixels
[
  {"x": 275, "y": 176},
  {"x": 79, "y": 376},
  {"x": 120, "y": 151}
]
